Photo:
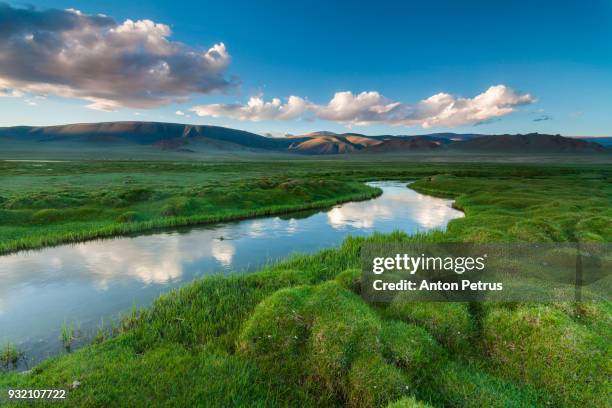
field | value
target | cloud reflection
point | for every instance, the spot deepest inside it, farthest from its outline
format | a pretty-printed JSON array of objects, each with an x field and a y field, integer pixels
[
  {"x": 353, "y": 215},
  {"x": 154, "y": 259},
  {"x": 427, "y": 212},
  {"x": 223, "y": 251},
  {"x": 168, "y": 257}
]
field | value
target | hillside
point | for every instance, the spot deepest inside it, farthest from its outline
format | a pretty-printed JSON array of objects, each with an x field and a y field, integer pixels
[
  {"x": 165, "y": 135},
  {"x": 330, "y": 143},
  {"x": 529, "y": 143},
  {"x": 177, "y": 140},
  {"x": 604, "y": 141},
  {"x": 415, "y": 143},
  {"x": 324, "y": 142}
]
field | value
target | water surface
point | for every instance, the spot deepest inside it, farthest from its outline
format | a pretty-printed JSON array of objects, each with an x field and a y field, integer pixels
[{"x": 92, "y": 282}]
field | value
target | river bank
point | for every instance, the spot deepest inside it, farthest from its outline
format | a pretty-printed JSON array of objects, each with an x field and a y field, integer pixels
[{"x": 295, "y": 332}]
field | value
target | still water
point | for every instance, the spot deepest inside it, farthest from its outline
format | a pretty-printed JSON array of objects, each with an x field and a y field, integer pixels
[{"x": 85, "y": 284}]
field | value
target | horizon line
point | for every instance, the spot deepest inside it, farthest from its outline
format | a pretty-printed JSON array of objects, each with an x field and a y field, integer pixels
[{"x": 269, "y": 134}]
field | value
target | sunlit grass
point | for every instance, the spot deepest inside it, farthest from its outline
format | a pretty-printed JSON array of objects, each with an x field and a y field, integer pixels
[
  {"x": 297, "y": 334},
  {"x": 34, "y": 215}
]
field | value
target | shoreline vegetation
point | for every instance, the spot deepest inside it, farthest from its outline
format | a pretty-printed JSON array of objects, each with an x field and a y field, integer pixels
[
  {"x": 46, "y": 204},
  {"x": 118, "y": 229},
  {"x": 298, "y": 333},
  {"x": 53, "y": 203}
]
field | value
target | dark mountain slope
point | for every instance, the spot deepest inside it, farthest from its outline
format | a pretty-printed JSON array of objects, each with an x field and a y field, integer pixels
[
  {"x": 529, "y": 143},
  {"x": 604, "y": 141},
  {"x": 146, "y": 133},
  {"x": 167, "y": 137},
  {"x": 405, "y": 144}
]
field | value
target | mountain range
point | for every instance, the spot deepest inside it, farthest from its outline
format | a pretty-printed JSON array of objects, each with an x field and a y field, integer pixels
[{"x": 183, "y": 138}]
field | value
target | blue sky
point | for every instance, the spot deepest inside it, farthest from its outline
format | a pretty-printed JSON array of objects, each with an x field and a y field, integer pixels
[{"x": 558, "y": 53}]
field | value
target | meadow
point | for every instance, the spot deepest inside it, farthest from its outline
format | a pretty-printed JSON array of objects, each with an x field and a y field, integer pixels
[
  {"x": 297, "y": 333},
  {"x": 56, "y": 202}
]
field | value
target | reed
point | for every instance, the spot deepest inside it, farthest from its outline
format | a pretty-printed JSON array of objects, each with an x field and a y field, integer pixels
[{"x": 10, "y": 355}]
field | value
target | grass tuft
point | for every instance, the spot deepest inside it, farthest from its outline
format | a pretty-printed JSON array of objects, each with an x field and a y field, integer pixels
[{"x": 10, "y": 356}]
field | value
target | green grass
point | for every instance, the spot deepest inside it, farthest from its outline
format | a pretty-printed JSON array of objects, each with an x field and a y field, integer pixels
[
  {"x": 68, "y": 336},
  {"x": 55, "y": 202},
  {"x": 51, "y": 205},
  {"x": 298, "y": 334},
  {"x": 9, "y": 356}
]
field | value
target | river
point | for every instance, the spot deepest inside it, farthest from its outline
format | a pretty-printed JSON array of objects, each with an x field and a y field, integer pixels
[{"x": 85, "y": 284}]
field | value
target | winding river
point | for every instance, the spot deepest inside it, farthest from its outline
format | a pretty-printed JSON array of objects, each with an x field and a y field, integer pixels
[{"x": 83, "y": 285}]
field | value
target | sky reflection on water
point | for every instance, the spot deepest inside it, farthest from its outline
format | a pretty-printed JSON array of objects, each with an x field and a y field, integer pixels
[{"x": 86, "y": 282}]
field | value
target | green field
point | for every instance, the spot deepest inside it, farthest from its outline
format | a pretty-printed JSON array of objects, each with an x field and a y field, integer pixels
[
  {"x": 54, "y": 202},
  {"x": 298, "y": 333}
]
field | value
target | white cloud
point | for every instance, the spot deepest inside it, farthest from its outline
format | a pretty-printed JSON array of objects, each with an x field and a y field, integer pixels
[
  {"x": 361, "y": 109},
  {"x": 180, "y": 113},
  {"x": 147, "y": 259},
  {"x": 440, "y": 110},
  {"x": 110, "y": 65},
  {"x": 445, "y": 110},
  {"x": 257, "y": 109}
]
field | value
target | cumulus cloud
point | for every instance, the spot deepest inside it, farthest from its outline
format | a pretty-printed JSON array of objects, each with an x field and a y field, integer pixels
[
  {"x": 361, "y": 109},
  {"x": 257, "y": 109},
  {"x": 440, "y": 110},
  {"x": 92, "y": 57}
]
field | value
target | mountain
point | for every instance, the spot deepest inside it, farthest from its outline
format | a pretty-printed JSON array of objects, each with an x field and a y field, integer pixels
[
  {"x": 453, "y": 137},
  {"x": 604, "y": 141},
  {"x": 324, "y": 142},
  {"x": 164, "y": 135},
  {"x": 399, "y": 144},
  {"x": 321, "y": 133},
  {"x": 324, "y": 145},
  {"x": 529, "y": 143},
  {"x": 331, "y": 143},
  {"x": 135, "y": 139}
]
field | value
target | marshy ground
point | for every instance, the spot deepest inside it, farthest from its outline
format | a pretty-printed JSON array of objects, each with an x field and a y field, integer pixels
[{"x": 297, "y": 333}]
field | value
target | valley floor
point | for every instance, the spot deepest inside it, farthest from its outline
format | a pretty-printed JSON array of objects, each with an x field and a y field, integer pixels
[{"x": 297, "y": 333}]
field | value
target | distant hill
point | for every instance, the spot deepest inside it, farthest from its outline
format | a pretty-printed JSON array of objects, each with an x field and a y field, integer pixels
[
  {"x": 453, "y": 137},
  {"x": 604, "y": 141},
  {"x": 529, "y": 143},
  {"x": 397, "y": 144},
  {"x": 332, "y": 143},
  {"x": 324, "y": 142},
  {"x": 173, "y": 139},
  {"x": 324, "y": 145},
  {"x": 161, "y": 134}
]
